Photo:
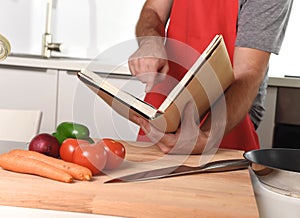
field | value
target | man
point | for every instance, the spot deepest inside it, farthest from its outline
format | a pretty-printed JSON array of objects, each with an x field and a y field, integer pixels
[{"x": 252, "y": 30}]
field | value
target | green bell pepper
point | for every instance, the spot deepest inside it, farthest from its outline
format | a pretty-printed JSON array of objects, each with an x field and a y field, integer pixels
[{"x": 72, "y": 130}]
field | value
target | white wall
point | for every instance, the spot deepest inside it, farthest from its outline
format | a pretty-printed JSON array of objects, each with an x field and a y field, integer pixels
[
  {"x": 287, "y": 62},
  {"x": 23, "y": 24},
  {"x": 87, "y": 27}
]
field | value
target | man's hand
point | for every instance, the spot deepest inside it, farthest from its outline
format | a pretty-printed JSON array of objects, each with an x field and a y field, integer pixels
[
  {"x": 149, "y": 63},
  {"x": 188, "y": 139}
]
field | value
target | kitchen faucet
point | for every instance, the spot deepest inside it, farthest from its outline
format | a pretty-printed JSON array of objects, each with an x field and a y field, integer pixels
[{"x": 48, "y": 45}]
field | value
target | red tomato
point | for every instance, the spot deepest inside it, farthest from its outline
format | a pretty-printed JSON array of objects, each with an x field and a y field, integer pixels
[
  {"x": 115, "y": 153},
  {"x": 68, "y": 146},
  {"x": 92, "y": 156}
]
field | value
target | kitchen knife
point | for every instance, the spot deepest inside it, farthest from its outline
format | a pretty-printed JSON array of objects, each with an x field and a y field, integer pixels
[{"x": 215, "y": 166}]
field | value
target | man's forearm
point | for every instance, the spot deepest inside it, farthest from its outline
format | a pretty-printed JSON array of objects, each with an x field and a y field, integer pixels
[
  {"x": 250, "y": 67},
  {"x": 153, "y": 18},
  {"x": 149, "y": 24}
]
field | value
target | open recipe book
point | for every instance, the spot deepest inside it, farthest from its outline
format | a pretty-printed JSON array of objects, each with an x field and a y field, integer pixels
[{"x": 211, "y": 70}]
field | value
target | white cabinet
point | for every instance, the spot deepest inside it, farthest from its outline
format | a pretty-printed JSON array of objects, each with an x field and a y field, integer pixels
[
  {"x": 30, "y": 88},
  {"x": 79, "y": 104}
]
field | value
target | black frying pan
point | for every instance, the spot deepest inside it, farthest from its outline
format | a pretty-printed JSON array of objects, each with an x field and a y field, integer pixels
[{"x": 278, "y": 168}]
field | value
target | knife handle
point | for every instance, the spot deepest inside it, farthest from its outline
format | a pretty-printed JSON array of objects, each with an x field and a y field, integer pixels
[{"x": 224, "y": 165}]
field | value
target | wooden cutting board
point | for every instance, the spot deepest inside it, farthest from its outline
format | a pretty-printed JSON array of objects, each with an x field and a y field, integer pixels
[{"x": 227, "y": 194}]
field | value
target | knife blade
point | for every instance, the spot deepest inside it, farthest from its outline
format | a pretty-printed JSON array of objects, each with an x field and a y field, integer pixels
[{"x": 215, "y": 166}]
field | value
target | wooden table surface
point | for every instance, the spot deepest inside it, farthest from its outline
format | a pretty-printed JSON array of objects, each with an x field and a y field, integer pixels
[{"x": 226, "y": 194}]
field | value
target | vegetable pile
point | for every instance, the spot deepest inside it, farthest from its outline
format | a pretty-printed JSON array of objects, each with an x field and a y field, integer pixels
[{"x": 68, "y": 154}]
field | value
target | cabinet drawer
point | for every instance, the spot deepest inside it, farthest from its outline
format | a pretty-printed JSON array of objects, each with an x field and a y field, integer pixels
[{"x": 288, "y": 106}]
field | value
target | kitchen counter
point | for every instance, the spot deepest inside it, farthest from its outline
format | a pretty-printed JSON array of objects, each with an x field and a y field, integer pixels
[
  {"x": 62, "y": 63},
  {"x": 227, "y": 194},
  {"x": 289, "y": 82},
  {"x": 75, "y": 64}
]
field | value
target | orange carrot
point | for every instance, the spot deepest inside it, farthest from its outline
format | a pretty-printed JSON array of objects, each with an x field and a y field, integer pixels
[
  {"x": 21, "y": 164},
  {"x": 76, "y": 171}
]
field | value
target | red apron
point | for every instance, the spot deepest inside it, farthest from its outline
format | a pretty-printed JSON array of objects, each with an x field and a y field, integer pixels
[{"x": 195, "y": 23}]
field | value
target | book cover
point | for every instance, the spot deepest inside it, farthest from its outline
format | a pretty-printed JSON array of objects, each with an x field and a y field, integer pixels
[{"x": 204, "y": 83}]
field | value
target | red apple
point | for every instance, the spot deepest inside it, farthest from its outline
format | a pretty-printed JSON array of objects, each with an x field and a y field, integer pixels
[{"x": 46, "y": 144}]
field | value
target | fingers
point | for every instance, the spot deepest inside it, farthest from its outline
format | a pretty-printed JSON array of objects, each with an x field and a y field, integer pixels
[
  {"x": 164, "y": 141},
  {"x": 161, "y": 76},
  {"x": 152, "y": 133},
  {"x": 144, "y": 70},
  {"x": 148, "y": 79},
  {"x": 132, "y": 63},
  {"x": 165, "y": 149},
  {"x": 189, "y": 116},
  {"x": 151, "y": 59},
  {"x": 148, "y": 70},
  {"x": 188, "y": 139}
]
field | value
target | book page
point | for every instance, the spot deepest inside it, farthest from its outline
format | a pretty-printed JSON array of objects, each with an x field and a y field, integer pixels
[
  {"x": 190, "y": 74},
  {"x": 143, "y": 108}
]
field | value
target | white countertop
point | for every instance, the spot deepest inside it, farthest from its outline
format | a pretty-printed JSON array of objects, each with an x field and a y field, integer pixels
[
  {"x": 62, "y": 63},
  {"x": 76, "y": 64},
  {"x": 17, "y": 212},
  {"x": 291, "y": 82}
]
